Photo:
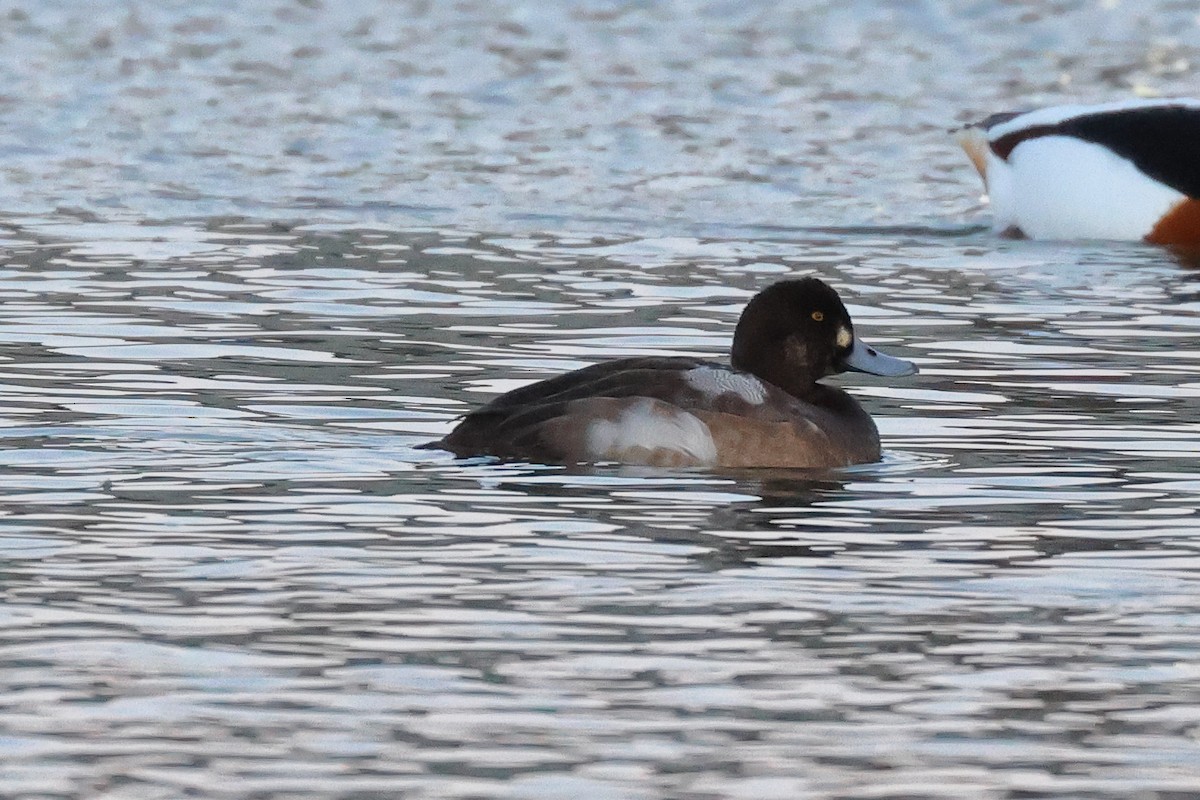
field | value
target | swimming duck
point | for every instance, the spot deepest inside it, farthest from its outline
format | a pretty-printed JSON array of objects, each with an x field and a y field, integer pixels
[
  {"x": 1128, "y": 170},
  {"x": 764, "y": 410}
]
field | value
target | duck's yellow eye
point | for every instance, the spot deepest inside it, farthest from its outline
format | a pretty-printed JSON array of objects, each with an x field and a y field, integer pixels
[{"x": 818, "y": 316}]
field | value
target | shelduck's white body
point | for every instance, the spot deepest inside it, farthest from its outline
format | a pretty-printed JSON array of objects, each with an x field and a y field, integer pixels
[{"x": 1127, "y": 170}]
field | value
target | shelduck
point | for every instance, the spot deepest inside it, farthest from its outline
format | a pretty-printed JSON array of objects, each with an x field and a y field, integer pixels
[{"x": 1127, "y": 170}]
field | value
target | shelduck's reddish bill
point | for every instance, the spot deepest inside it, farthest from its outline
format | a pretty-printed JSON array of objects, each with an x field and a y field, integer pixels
[
  {"x": 1127, "y": 170},
  {"x": 765, "y": 409}
]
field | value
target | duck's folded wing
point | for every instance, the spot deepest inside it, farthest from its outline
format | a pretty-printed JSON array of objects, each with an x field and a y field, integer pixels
[
  {"x": 634, "y": 411},
  {"x": 616, "y": 377}
]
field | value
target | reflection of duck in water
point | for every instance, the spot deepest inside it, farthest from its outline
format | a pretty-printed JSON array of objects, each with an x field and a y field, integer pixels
[
  {"x": 1128, "y": 170},
  {"x": 766, "y": 410}
]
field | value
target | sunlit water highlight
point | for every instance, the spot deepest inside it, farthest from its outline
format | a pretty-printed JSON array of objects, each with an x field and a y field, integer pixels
[
  {"x": 256, "y": 253},
  {"x": 228, "y": 565}
]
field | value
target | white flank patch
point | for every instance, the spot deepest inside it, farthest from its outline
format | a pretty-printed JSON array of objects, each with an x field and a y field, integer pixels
[
  {"x": 1059, "y": 187},
  {"x": 651, "y": 425},
  {"x": 1056, "y": 114},
  {"x": 714, "y": 382}
]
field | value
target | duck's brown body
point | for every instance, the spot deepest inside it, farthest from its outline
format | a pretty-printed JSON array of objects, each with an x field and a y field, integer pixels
[
  {"x": 680, "y": 411},
  {"x": 765, "y": 410}
]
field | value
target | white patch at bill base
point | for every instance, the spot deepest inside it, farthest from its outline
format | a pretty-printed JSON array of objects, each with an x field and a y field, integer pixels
[
  {"x": 714, "y": 382},
  {"x": 648, "y": 425}
]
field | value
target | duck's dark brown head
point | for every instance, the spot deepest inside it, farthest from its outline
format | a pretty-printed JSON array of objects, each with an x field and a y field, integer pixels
[{"x": 795, "y": 332}]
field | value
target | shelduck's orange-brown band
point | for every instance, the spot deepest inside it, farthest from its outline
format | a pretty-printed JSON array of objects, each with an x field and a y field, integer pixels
[{"x": 1179, "y": 226}]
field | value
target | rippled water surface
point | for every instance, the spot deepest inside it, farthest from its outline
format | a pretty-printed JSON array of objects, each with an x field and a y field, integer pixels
[{"x": 254, "y": 254}]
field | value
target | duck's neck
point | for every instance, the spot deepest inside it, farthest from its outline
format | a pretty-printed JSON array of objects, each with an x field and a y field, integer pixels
[
  {"x": 788, "y": 369},
  {"x": 804, "y": 389}
]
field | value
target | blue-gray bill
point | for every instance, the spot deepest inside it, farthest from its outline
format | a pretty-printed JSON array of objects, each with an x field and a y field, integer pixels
[{"x": 863, "y": 358}]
